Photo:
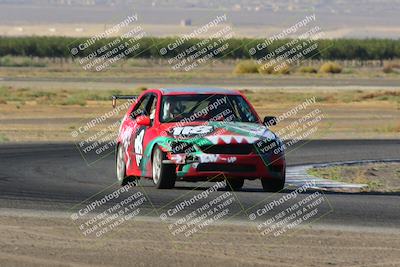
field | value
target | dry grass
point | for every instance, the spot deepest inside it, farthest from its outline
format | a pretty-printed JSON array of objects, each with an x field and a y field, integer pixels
[
  {"x": 13, "y": 94},
  {"x": 348, "y": 113},
  {"x": 308, "y": 69},
  {"x": 64, "y": 97},
  {"x": 383, "y": 177},
  {"x": 330, "y": 67},
  {"x": 244, "y": 67},
  {"x": 348, "y": 96},
  {"x": 391, "y": 67},
  {"x": 249, "y": 66},
  {"x": 145, "y": 68}
]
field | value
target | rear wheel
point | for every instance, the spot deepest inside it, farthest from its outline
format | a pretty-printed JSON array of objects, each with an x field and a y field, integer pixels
[
  {"x": 164, "y": 175},
  {"x": 273, "y": 185},
  {"x": 234, "y": 184},
  {"x": 121, "y": 168}
]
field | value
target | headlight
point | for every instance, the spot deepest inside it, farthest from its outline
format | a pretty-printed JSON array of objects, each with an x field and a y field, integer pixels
[{"x": 264, "y": 146}]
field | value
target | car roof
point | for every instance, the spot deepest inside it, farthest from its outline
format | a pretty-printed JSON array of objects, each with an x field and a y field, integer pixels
[{"x": 193, "y": 90}]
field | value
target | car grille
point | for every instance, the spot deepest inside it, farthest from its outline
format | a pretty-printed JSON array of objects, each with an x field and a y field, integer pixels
[
  {"x": 221, "y": 167},
  {"x": 238, "y": 149}
]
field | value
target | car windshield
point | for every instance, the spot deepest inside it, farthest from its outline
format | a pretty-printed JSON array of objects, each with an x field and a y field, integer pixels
[{"x": 206, "y": 107}]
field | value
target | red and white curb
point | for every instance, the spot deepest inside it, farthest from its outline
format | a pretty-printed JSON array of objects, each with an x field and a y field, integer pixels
[{"x": 297, "y": 176}]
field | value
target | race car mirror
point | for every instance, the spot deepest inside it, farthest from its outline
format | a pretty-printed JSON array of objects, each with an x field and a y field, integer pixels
[
  {"x": 269, "y": 120},
  {"x": 129, "y": 97},
  {"x": 114, "y": 102},
  {"x": 143, "y": 120}
]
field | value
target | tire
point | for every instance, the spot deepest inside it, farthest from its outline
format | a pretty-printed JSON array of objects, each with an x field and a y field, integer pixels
[
  {"x": 121, "y": 168},
  {"x": 164, "y": 175},
  {"x": 234, "y": 184},
  {"x": 274, "y": 185}
]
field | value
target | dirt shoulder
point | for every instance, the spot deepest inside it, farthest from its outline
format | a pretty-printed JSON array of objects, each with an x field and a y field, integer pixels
[
  {"x": 380, "y": 177},
  {"x": 33, "y": 241}
]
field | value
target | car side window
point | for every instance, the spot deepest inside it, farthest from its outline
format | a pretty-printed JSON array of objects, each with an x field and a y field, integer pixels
[
  {"x": 140, "y": 108},
  {"x": 153, "y": 108}
]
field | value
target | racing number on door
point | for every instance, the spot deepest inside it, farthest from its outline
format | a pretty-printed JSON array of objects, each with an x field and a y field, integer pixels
[
  {"x": 139, "y": 146},
  {"x": 147, "y": 108}
]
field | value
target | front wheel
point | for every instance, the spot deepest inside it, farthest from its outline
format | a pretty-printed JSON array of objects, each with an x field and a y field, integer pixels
[
  {"x": 121, "y": 168},
  {"x": 274, "y": 185},
  {"x": 234, "y": 184},
  {"x": 164, "y": 175}
]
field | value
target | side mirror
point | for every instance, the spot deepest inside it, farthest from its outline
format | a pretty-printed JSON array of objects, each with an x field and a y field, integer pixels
[
  {"x": 143, "y": 120},
  {"x": 270, "y": 120}
]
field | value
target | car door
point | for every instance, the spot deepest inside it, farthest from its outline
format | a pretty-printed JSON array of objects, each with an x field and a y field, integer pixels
[
  {"x": 148, "y": 134},
  {"x": 146, "y": 106},
  {"x": 129, "y": 133}
]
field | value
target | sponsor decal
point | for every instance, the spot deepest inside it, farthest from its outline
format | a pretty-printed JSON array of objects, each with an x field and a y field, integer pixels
[
  {"x": 125, "y": 138},
  {"x": 139, "y": 146},
  {"x": 191, "y": 130}
]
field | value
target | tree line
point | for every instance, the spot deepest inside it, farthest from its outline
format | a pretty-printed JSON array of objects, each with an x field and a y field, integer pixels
[{"x": 236, "y": 48}]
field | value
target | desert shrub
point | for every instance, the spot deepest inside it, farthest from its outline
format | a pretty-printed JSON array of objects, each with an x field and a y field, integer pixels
[
  {"x": 3, "y": 138},
  {"x": 141, "y": 89},
  {"x": 11, "y": 61},
  {"x": 283, "y": 70},
  {"x": 6, "y": 61},
  {"x": 382, "y": 96},
  {"x": 308, "y": 69},
  {"x": 73, "y": 100},
  {"x": 330, "y": 67},
  {"x": 390, "y": 67},
  {"x": 265, "y": 69},
  {"x": 247, "y": 66},
  {"x": 387, "y": 68},
  {"x": 269, "y": 69}
]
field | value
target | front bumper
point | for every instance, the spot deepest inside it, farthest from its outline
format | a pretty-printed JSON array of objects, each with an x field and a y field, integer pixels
[{"x": 204, "y": 166}]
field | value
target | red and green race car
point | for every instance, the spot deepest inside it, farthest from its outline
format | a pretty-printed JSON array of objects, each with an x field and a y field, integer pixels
[{"x": 198, "y": 134}]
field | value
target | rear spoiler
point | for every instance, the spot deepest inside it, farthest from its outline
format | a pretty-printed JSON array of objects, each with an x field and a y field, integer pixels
[{"x": 115, "y": 97}]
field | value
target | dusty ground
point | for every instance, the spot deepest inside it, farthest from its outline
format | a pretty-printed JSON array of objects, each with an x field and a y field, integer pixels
[
  {"x": 33, "y": 122},
  {"x": 33, "y": 241},
  {"x": 218, "y": 70},
  {"x": 46, "y": 115},
  {"x": 380, "y": 177}
]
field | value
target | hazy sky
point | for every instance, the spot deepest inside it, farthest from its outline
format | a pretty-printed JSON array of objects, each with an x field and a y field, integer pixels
[{"x": 359, "y": 18}]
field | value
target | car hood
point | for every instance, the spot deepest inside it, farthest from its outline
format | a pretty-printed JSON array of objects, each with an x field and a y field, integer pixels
[{"x": 219, "y": 132}]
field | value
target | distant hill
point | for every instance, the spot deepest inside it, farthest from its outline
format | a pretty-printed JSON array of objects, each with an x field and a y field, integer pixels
[
  {"x": 338, "y": 18},
  {"x": 334, "y": 6}
]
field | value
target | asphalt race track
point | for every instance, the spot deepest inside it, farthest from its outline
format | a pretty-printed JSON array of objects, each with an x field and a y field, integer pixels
[{"x": 54, "y": 177}]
